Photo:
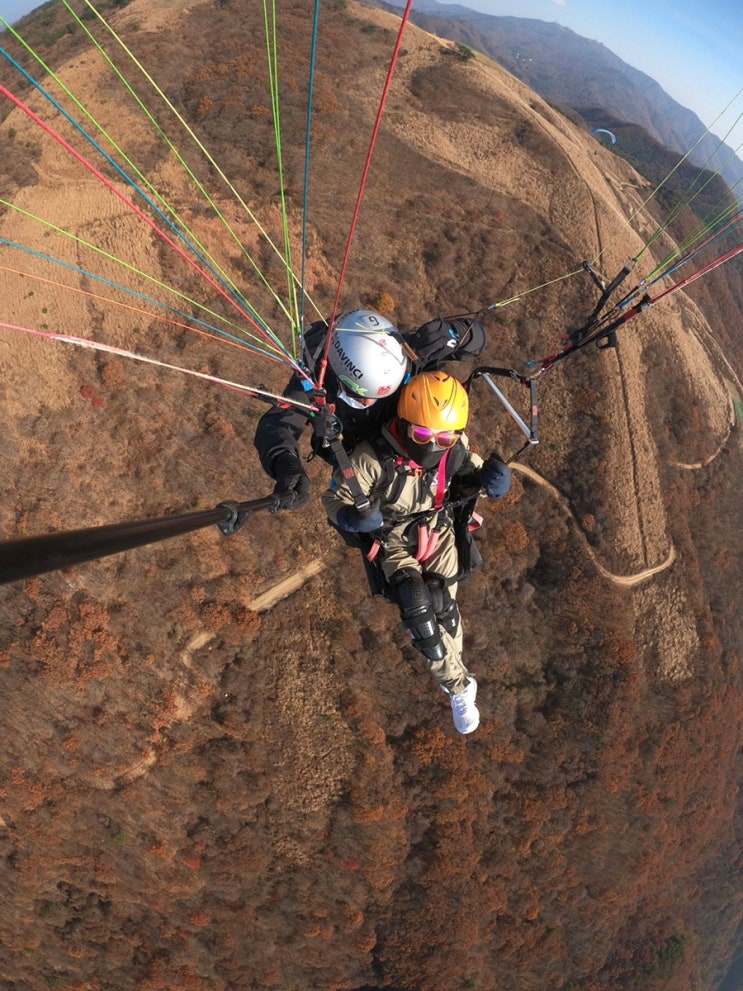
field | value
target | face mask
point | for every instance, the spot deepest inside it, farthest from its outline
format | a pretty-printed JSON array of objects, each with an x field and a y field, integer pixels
[
  {"x": 425, "y": 455},
  {"x": 352, "y": 401}
]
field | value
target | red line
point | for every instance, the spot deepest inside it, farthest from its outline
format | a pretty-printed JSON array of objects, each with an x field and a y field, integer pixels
[
  {"x": 702, "y": 271},
  {"x": 109, "y": 185},
  {"x": 367, "y": 165}
]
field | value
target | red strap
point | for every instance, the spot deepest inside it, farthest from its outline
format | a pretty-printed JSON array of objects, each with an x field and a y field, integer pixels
[
  {"x": 427, "y": 541},
  {"x": 440, "y": 472},
  {"x": 441, "y": 481}
]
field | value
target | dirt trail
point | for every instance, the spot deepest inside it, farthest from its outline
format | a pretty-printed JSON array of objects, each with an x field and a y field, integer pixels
[{"x": 626, "y": 580}]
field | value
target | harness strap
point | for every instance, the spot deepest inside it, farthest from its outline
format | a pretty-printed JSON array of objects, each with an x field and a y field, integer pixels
[
  {"x": 441, "y": 481},
  {"x": 398, "y": 469},
  {"x": 327, "y": 429},
  {"x": 360, "y": 498},
  {"x": 427, "y": 541}
]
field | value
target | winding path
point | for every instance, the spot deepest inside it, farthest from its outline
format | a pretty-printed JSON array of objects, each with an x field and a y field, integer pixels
[{"x": 625, "y": 580}]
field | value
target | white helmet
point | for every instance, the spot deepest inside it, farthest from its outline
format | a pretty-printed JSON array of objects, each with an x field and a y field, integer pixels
[{"x": 367, "y": 360}]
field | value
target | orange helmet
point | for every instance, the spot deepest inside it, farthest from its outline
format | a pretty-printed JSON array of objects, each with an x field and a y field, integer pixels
[{"x": 434, "y": 400}]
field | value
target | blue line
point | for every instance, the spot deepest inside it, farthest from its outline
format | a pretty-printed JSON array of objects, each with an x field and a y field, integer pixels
[
  {"x": 692, "y": 254},
  {"x": 133, "y": 292},
  {"x": 229, "y": 289}
]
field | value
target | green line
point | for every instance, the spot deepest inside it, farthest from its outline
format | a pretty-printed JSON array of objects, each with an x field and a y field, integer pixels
[
  {"x": 228, "y": 279},
  {"x": 652, "y": 239},
  {"x": 173, "y": 213},
  {"x": 628, "y": 222},
  {"x": 687, "y": 200},
  {"x": 149, "y": 278},
  {"x": 705, "y": 226},
  {"x": 273, "y": 81},
  {"x": 189, "y": 130}
]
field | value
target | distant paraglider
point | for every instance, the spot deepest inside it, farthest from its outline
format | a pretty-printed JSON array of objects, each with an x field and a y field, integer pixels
[{"x": 602, "y": 130}]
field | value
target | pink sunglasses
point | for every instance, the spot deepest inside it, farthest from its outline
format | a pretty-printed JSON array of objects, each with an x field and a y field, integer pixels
[{"x": 441, "y": 438}]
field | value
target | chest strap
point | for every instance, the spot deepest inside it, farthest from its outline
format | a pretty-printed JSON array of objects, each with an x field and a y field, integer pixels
[{"x": 428, "y": 536}]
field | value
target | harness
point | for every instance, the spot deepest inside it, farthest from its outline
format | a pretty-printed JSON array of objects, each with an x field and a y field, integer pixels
[{"x": 429, "y": 522}]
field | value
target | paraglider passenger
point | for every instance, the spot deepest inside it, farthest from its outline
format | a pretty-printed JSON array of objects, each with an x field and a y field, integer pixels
[
  {"x": 367, "y": 365},
  {"x": 410, "y": 475}
]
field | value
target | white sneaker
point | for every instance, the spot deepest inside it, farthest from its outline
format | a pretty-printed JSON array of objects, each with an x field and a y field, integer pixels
[{"x": 465, "y": 712}]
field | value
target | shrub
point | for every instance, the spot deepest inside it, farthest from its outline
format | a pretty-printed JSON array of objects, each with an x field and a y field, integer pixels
[{"x": 463, "y": 52}]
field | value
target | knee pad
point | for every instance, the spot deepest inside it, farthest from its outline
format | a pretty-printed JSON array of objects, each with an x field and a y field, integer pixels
[
  {"x": 417, "y": 612},
  {"x": 445, "y": 608}
]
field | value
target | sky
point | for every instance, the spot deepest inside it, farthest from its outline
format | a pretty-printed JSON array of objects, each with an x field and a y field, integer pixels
[{"x": 693, "y": 48}]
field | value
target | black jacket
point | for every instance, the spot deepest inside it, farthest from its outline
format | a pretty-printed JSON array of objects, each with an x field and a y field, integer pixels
[{"x": 279, "y": 429}]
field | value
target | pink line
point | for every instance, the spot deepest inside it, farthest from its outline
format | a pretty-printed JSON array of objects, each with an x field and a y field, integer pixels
[{"x": 132, "y": 206}]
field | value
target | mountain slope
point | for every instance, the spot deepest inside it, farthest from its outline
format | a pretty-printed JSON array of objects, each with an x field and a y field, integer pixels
[
  {"x": 572, "y": 71},
  {"x": 198, "y": 794}
]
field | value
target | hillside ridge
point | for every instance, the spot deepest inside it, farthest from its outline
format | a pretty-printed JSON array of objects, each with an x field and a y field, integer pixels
[
  {"x": 573, "y": 71},
  {"x": 211, "y": 787}
]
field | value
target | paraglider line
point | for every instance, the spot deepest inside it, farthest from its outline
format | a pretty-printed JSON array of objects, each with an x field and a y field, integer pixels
[
  {"x": 190, "y": 241},
  {"x": 132, "y": 206},
  {"x": 147, "y": 299},
  {"x": 193, "y": 136},
  {"x": 217, "y": 334},
  {"x": 367, "y": 166},
  {"x": 83, "y": 342},
  {"x": 607, "y": 327}
]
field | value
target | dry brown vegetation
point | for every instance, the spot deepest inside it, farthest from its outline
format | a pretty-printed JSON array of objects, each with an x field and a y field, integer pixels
[{"x": 198, "y": 795}]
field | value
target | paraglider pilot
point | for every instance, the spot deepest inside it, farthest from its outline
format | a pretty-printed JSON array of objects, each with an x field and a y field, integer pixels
[
  {"x": 412, "y": 474},
  {"x": 367, "y": 367}
]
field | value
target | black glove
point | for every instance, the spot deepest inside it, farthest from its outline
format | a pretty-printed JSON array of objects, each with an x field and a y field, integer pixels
[
  {"x": 495, "y": 477},
  {"x": 292, "y": 489},
  {"x": 360, "y": 520},
  {"x": 441, "y": 340}
]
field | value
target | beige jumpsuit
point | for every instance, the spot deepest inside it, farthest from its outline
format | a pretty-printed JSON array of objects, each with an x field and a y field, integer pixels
[{"x": 410, "y": 492}]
